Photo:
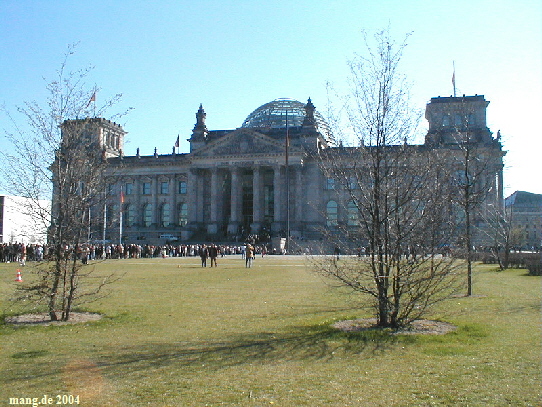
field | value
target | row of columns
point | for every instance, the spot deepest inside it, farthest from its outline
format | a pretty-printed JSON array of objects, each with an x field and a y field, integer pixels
[{"x": 208, "y": 200}]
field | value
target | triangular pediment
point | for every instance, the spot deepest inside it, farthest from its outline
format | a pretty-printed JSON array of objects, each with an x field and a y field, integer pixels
[{"x": 242, "y": 142}]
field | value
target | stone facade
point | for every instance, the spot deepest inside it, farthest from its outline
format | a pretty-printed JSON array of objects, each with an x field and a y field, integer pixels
[
  {"x": 20, "y": 220},
  {"x": 263, "y": 177},
  {"x": 525, "y": 212}
]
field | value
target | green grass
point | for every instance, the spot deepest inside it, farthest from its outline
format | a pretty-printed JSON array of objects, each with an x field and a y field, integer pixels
[{"x": 187, "y": 336}]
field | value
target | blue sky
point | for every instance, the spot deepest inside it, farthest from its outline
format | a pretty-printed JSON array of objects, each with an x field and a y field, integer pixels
[{"x": 167, "y": 57}]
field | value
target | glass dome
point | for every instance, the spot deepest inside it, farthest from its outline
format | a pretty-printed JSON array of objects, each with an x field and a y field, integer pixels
[{"x": 274, "y": 115}]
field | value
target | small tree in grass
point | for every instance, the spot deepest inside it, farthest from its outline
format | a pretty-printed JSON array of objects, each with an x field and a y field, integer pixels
[
  {"x": 502, "y": 234},
  {"x": 476, "y": 159},
  {"x": 58, "y": 156},
  {"x": 396, "y": 196}
]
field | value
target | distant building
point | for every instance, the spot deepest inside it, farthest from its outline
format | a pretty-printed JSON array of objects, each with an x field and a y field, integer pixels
[
  {"x": 264, "y": 177},
  {"x": 525, "y": 209},
  {"x": 20, "y": 222}
]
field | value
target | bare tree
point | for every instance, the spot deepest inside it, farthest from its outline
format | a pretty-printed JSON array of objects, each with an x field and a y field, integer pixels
[
  {"x": 502, "y": 234},
  {"x": 57, "y": 155},
  {"x": 476, "y": 159},
  {"x": 395, "y": 195}
]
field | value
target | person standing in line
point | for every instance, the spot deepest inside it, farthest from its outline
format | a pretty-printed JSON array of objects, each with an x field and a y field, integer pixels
[
  {"x": 213, "y": 254},
  {"x": 337, "y": 252},
  {"x": 203, "y": 253}
]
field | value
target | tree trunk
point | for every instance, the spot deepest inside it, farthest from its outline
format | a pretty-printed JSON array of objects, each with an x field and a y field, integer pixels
[{"x": 56, "y": 282}]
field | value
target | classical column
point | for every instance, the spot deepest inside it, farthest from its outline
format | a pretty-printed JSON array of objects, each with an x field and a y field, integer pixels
[
  {"x": 136, "y": 189},
  {"x": 201, "y": 197},
  {"x": 155, "y": 202},
  {"x": 277, "y": 191},
  {"x": 299, "y": 193},
  {"x": 173, "y": 185},
  {"x": 192, "y": 196},
  {"x": 212, "y": 227},
  {"x": 256, "y": 200},
  {"x": 235, "y": 201}
]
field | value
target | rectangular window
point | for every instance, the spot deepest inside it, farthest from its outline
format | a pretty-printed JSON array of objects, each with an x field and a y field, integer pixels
[
  {"x": 332, "y": 214},
  {"x": 128, "y": 188},
  {"x": 182, "y": 187},
  {"x": 352, "y": 183},
  {"x": 164, "y": 187},
  {"x": 330, "y": 183},
  {"x": 147, "y": 215},
  {"x": 183, "y": 214},
  {"x": 146, "y": 188},
  {"x": 458, "y": 120},
  {"x": 130, "y": 215}
]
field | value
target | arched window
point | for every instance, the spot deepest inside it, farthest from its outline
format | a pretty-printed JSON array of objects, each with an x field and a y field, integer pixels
[
  {"x": 165, "y": 216},
  {"x": 353, "y": 214},
  {"x": 331, "y": 213},
  {"x": 183, "y": 214},
  {"x": 147, "y": 215}
]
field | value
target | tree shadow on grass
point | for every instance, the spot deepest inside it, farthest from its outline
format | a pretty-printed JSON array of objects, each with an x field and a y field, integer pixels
[
  {"x": 304, "y": 343},
  {"x": 317, "y": 343}
]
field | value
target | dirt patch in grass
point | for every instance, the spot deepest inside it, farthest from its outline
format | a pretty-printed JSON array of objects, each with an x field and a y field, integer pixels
[
  {"x": 419, "y": 327},
  {"x": 44, "y": 319}
]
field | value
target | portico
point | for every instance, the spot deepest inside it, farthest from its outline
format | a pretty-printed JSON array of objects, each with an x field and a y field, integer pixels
[{"x": 240, "y": 199}]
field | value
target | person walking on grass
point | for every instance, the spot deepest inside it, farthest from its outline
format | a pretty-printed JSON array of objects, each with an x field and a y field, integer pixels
[{"x": 249, "y": 256}]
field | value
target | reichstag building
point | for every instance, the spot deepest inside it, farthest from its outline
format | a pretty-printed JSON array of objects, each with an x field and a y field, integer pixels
[{"x": 261, "y": 178}]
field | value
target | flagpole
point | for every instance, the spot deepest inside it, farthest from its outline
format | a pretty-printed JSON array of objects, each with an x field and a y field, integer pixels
[
  {"x": 89, "y": 225},
  {"x": 453, "y": 78},
  {"x": 105, "y": 224},
  {"x": 287, "y": 186},
  {"x": 93, "y": 101},
  {"x": 120, "y": 215}
]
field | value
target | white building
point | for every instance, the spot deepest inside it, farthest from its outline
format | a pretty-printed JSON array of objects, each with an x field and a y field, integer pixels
[{"x": 23, "y": 220}]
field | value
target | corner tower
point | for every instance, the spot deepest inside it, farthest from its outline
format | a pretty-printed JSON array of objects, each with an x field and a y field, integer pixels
[
  {"x": 98, "y": 133},
  {"x": 454, "y": 120}
]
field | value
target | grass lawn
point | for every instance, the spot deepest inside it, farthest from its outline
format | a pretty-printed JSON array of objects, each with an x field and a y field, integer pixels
[{"x": 174, "y": 334}]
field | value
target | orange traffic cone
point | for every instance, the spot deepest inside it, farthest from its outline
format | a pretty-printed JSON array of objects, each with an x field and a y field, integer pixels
[{"x": 19, "y": 276}]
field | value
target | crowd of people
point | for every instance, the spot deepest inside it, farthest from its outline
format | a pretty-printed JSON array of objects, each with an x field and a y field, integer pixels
[
  {"x": 20, "y": 252},
  {"x": 212, "y": 251}
]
